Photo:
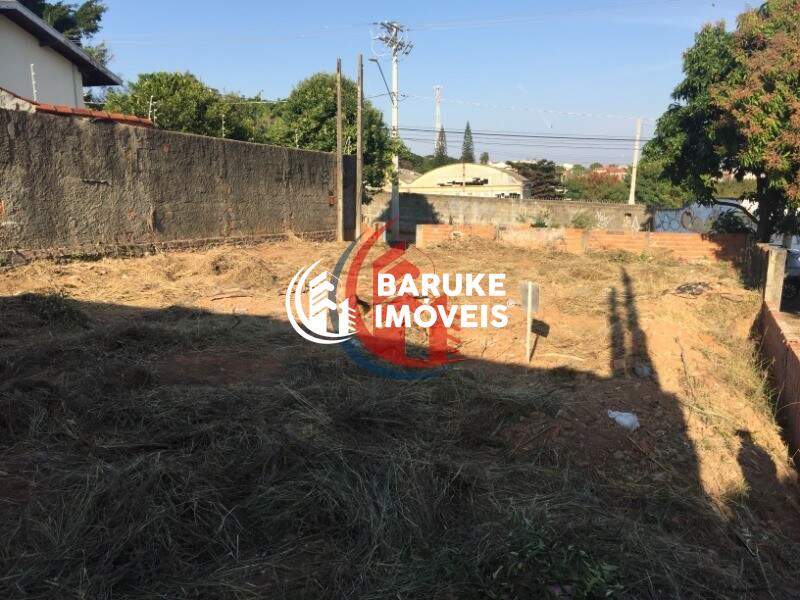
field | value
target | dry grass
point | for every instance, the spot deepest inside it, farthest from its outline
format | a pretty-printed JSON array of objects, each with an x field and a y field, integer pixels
[{"x": 131, "y": 469}]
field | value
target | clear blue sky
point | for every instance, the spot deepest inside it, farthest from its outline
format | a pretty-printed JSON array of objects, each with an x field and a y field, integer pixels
[{"x": 504, "y": 65}]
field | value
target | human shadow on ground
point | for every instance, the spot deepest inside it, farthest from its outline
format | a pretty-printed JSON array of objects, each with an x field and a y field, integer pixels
[{"x": 182, "y": 453}]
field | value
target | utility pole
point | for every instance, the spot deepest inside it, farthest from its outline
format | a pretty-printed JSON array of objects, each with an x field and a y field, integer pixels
[
  {"x": 392, "y": 38},
  {"x": 635, "y": 165},
  {"x": 359, "y": 144},
  {"x": 437, "y": 121},
  {"x": 339, "y": 156}
]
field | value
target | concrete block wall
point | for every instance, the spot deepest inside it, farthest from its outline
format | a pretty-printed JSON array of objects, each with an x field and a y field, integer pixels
[
  {"x": 69, "y": 184},
  {"x": 416, "y": 209}
]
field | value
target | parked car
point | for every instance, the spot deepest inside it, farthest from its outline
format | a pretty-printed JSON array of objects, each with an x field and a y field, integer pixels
[{"x": 791, "y": 277}]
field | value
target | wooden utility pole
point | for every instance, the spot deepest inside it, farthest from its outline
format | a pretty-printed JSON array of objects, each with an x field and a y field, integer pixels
[
  {"x": 339, "y": 156},
  {"x": 359, "y": 144}
]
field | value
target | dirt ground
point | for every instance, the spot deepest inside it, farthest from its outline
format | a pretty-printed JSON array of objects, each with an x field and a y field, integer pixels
[{"x": 700, "y": 501}]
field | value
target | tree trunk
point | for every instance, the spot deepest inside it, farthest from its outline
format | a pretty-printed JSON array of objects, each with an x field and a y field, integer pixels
[{"x": 766, "y": 209}]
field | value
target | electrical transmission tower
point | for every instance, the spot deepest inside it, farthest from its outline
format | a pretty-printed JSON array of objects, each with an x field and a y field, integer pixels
[
  {"x": 392, "y": 36},
  {"x": 437, "y": 95}
]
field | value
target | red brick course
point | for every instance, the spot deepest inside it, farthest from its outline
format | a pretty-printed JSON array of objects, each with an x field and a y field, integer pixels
[
  {"x": 687, "y": 246},
  {"x": 780, "y": 345}
]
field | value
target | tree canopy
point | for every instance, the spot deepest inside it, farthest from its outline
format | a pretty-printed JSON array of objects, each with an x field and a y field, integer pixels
[
  {"x": 543, "y": 175},
  {"x": 738, "y": 109},
  {"x": 468, "y": 147},
  {"x": 484, "y": 158},
  {"x": 440, "y": 157},
  {"x": 307, "y": 119},
  {"x": 181, "y": 102},
  {"x": 78, "y": 22}
]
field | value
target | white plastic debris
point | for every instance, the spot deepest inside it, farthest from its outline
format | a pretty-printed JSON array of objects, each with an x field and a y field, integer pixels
[{"x": 624, "y": 419}]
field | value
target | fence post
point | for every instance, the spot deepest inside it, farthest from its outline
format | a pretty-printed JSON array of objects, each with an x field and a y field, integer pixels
[{"x": 776, "y": 268}]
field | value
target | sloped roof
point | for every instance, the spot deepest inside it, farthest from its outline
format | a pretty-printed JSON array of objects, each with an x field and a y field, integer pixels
[
  {"x": 93, "y": 73},
  {"x": 472, "y": 169},
  {"x": 70, "y": 111}
]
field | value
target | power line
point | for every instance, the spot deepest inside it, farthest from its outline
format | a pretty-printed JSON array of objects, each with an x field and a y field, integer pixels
[
  {"x": 563, "y": 113},
  {"x": 535, "y": 136},
  {"x": 530, "y": 145}
]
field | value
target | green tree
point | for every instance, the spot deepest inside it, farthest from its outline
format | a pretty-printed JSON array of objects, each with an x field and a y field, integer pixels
[
  {"x": 440, "y": 157},
  {"x": 181, "y": 102},
  {"x": 738, "y": 109},
  {"x": 596, "y": 186},
  {"x": 468, "y": 147},
  {"x": 595, "y": 165},
  {"x": 543, "y": 177},
  {"x": 655, "y": 189},
  {"x": 484, "y": 158},
  {"x": 78, "y": 22},
  {"x": 307, "y": 119}
]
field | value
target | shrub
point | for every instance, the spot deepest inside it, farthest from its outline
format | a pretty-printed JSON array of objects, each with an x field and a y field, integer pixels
[{"x": 583, "y": 220}]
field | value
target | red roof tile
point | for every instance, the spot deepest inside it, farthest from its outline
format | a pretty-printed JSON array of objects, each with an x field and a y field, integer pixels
[{"x": 99, "y": 115}]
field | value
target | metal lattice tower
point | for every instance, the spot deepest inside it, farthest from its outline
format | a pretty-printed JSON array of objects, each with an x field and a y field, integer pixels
[{"x": 437, "y": 95}]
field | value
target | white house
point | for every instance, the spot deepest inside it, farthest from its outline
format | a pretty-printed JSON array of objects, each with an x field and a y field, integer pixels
[{"x": 39, "y": 63}]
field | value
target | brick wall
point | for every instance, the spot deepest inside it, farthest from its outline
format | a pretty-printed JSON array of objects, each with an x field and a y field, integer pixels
[
  {"x": 687, "y": 246},
  {"x": 781, "y": 347}
]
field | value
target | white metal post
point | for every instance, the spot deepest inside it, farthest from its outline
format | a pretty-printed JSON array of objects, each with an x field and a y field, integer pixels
[
  {"x": 359, "y": 145},
  {"x": 34, "y": 88},
  {"x": 635, "y": 165},
  {"x": 528, "y": 318},
  {"x": 395, "y": 203}
]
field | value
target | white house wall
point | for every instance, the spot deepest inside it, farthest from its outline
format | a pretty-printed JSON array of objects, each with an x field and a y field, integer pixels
[{"x": 58, "y": 81}]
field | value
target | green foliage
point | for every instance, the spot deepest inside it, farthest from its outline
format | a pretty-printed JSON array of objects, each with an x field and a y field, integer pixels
[
  {"x": 422, "y": 164},
  {"x": 543, "y": 177},
  {"x": 78, "y": 22},
  {"x": 595, "y": 186},
  {"x": 691, "y": 141},
  {"x": 577, "y": 170},
  {"x": 583, "y": 220},
  {"x": 468, "y": 147},
  {"x": 539, "y": 219},
  {"x": 440, "y": 157},
  {"x": 536, "y": 566},
  {"x": 484, "y": 158},
  {"x": 184, "y": 103},
  {"x": 654, "y": 188},
  {"x": 738, "y": 109},
  {"x": 733, "y": 188},
  {"x": 730, "y": 222},
  {"x": 307, "y": 119}
]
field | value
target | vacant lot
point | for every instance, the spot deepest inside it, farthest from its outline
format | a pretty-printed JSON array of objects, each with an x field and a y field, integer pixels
[{"x": 165, "y": 434}]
